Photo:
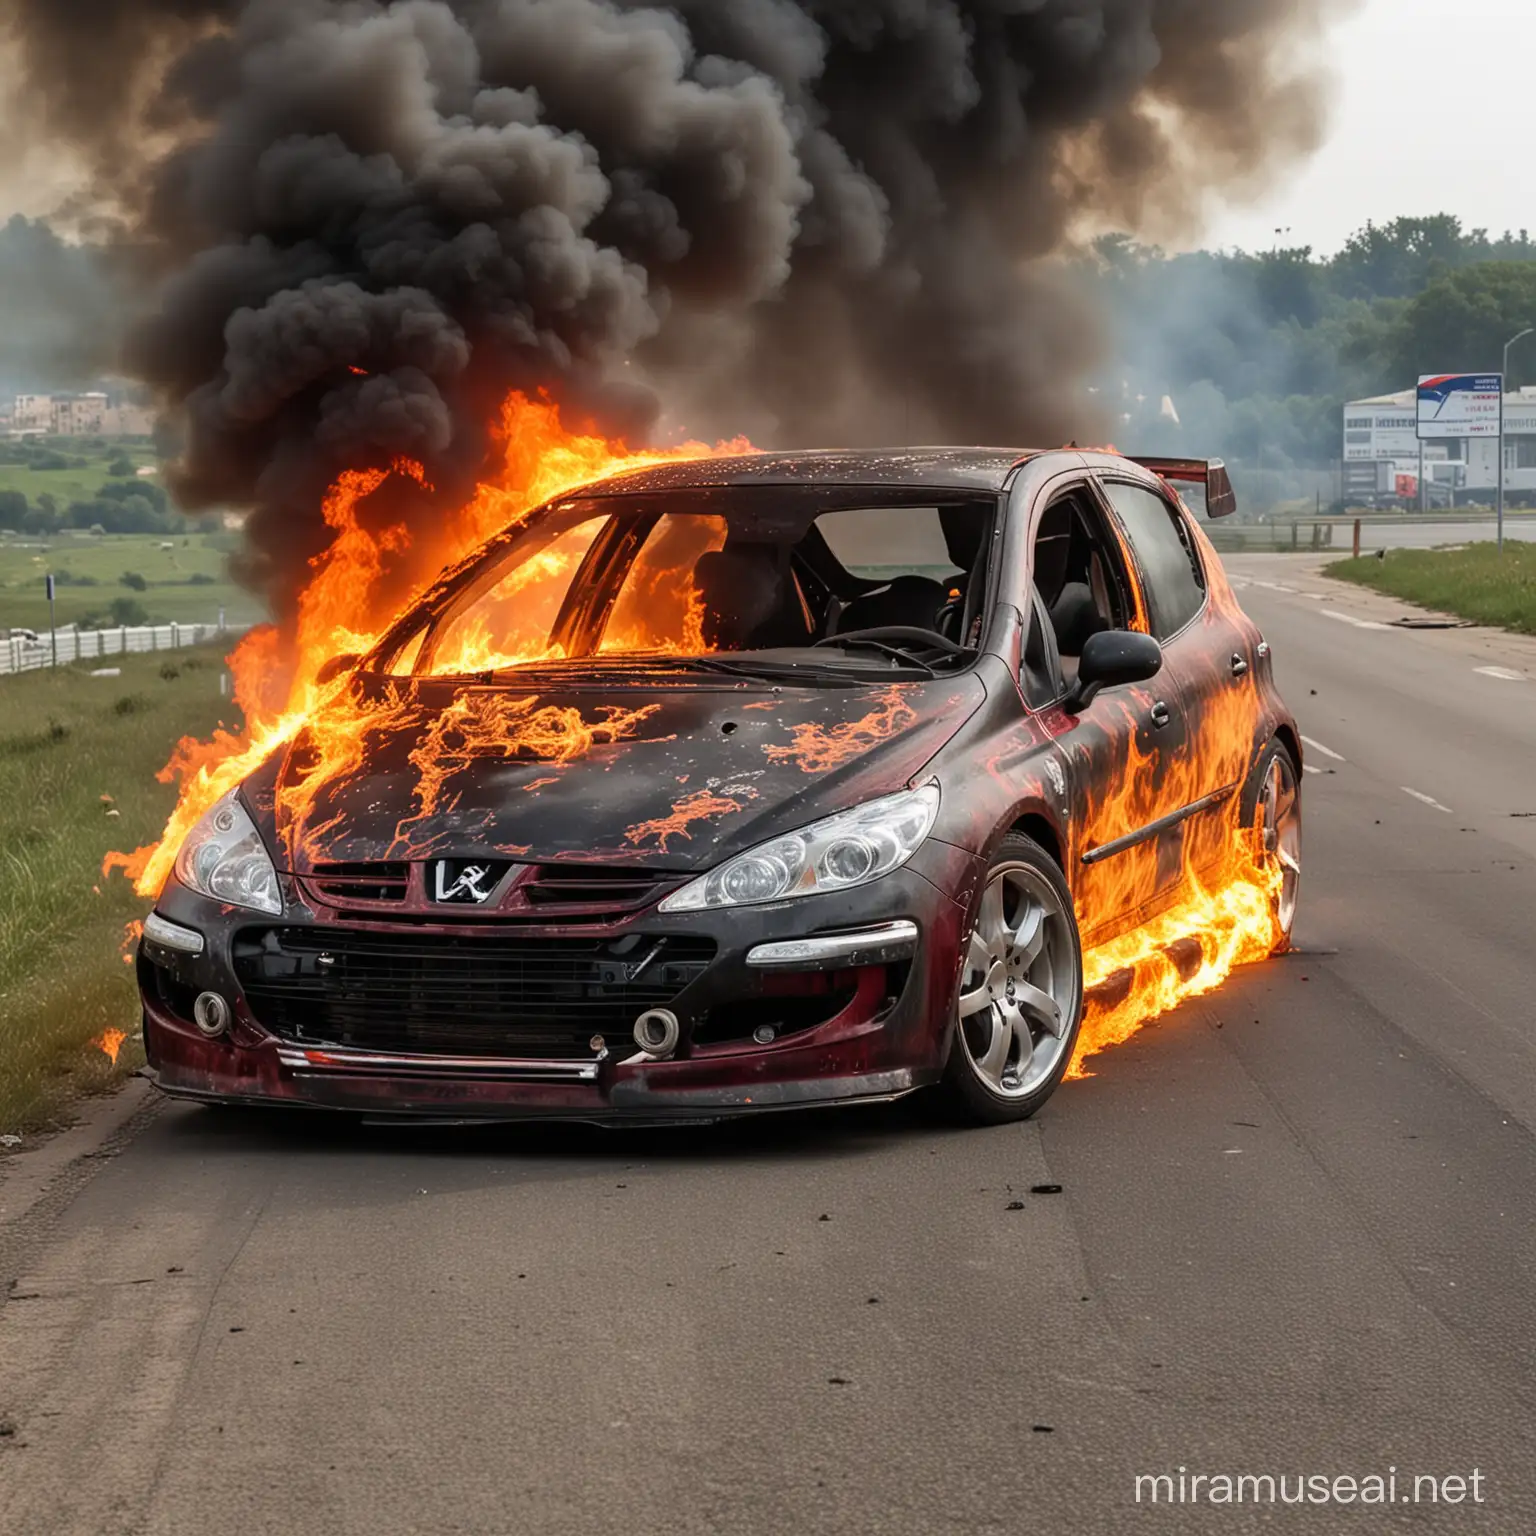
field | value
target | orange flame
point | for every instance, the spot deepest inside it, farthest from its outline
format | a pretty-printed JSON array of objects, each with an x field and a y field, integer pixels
[
  {"x": 343, "y": 611},
  {"x": 110, "y": 1042},
  {"x": 820, "y": 748},
  {"x": 1189, "y": 951},
  {"x": 1224, "y": 912},
  {"x": 479, "y": 725},
  {"x": 702, "y": 805}
]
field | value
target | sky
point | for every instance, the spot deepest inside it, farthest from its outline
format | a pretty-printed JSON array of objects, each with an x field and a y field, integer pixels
[{"x": 1431, "y": 114}]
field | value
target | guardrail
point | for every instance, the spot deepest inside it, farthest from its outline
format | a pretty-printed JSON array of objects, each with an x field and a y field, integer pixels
[
  {"x": 1268, "y": 538},
  {"x": 21, "y": 653},
  {"x": 1343, "y": 531}
]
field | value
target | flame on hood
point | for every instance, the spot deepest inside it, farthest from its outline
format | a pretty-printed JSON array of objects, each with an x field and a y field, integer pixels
[{"x": 338, "y": 614}]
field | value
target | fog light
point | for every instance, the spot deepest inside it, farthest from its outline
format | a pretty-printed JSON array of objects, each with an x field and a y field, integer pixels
[
  {"x": 765, "y": 1034},
  {"x": 211, "y": 1014}
]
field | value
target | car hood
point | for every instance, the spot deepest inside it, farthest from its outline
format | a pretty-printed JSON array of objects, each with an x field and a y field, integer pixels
[{"x": 674, "y": 780}]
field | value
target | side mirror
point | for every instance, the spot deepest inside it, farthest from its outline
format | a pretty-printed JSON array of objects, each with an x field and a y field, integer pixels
[
  {"x": 1111, "y": 660},
  {"x": 1220, "y": 498},
  {"x": 336, "y": 667}
]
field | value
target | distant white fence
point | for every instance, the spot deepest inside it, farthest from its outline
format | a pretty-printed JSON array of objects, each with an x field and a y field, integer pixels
[{"x": 22, "y": 653}]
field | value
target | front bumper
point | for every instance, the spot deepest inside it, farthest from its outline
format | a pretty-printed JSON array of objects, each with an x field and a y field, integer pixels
[{"x": 890, "y": 1039}]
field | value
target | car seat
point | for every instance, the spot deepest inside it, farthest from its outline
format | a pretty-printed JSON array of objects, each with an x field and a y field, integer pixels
[{"x": 742, "y": 589}]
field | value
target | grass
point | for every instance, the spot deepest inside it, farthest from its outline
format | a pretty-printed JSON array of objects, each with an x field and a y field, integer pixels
[
  {"x": 66, "y": 740},
  {"x": 1474, "y": 583},
  {"x": 82, "y": 559},
  {"x": 77, "y": 483}
]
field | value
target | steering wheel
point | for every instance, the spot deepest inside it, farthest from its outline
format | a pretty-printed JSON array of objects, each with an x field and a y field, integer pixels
[{"x": 898, "y": 634}]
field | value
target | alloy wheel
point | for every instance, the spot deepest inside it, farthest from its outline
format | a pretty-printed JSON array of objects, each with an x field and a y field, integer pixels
[
  {"x": 1019, "y": 985},
  {"x": 1280, "y": 833}
]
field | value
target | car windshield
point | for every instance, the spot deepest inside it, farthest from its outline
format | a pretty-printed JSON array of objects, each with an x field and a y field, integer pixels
[{"x": 780, "y": 578}]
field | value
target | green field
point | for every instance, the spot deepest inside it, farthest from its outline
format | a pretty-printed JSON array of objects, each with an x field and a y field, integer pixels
[
  {"x": 66, "y": 740},
  {"x": 1474, "y": 583},
  {"x": 75, "y": 483},
  {"x": 171, "y": 595}
]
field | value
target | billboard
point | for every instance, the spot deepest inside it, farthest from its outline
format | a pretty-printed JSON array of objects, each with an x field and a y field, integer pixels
[{"x": 1461, "y": 405}]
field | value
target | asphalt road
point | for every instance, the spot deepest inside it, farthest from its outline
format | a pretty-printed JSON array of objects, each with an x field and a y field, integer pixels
[{"x": 1296, "y": 1236}]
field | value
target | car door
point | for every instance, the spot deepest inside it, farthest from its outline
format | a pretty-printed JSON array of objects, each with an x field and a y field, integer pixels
[
  {"x": 1208, "y": 659},
  {"x": 1121, "y": 756}
]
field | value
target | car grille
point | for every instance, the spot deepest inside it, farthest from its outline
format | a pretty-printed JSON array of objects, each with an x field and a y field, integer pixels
[
  {"x": 344, "y": 883},
  {"x": 463, "y": 996},
  {"x": 576, "y": 885},
  {"x": 568, "y": 895}
]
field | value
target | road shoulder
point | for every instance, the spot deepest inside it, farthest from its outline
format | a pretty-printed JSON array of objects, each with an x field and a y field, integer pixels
[{"x": 49, "y": 1170}]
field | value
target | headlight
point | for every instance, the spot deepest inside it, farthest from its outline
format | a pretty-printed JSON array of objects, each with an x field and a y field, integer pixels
[
  {"x": 225, "y": 858},
  {"x": 833, "y": 855}
]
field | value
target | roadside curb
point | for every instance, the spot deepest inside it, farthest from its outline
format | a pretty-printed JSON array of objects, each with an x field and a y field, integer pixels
[{"x": 29, "y": 1177}]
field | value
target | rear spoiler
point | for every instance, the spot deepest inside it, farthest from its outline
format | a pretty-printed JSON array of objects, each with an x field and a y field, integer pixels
[{"x": 1220, "y": 498}]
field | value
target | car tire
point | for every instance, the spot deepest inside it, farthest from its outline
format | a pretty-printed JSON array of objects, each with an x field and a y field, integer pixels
[
  {"x": 1021, "y": 977},
  {"x": 1274, "y": 823}
]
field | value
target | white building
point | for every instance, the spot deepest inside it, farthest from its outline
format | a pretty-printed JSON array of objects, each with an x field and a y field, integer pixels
[
  {"x": 34, "y": 413},
  {"x": 79, "y": 415},
  {"x": 129, "y": 421},
  {"x": 1381, "y": 442}
]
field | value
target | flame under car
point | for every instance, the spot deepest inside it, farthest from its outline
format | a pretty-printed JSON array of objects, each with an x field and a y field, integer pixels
[{"x": 746, "y": 784}]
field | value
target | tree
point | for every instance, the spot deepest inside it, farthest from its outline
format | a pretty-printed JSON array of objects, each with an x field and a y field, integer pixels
[
  {"x": 133, "y": 581},
  {"x": 13, "y": 510},
  {"x": 1397, "y": 260},
  {"x": 128, "y": 610},
  {"x": 1290, "y": 287},
  {"x": 135, "y": 490},
  {"x": 1461, "y": 321},
  {"x": 122, "y": 468}
]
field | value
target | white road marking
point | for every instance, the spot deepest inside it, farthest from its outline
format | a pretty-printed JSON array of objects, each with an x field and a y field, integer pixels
[
  {"x": 1317, "y": 746},
  {"x": 1504, "y": 674},
  {"x": 1428, "y": 800},
  {"x": 1308, "y": 768},
  {"x": 1349, "y": 618}
]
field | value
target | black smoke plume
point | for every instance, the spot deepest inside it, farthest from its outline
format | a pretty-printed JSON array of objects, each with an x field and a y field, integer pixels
[{"x": 818, "y": 222}]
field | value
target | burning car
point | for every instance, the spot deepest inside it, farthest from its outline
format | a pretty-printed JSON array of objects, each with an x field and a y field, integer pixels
[{"x": 745, "y": 784}]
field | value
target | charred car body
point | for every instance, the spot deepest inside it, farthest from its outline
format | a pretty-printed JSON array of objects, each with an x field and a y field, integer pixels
[{"x": 923, "y": 726}]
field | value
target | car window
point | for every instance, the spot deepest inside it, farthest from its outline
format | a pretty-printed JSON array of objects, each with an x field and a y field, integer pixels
[
  {"x": 654, "y": 609},
  {"x": 1170, "y": 568},
  {"x": 1080, "y": 590},
  {"x": 879, "y": 543},
  {"x": 695, "y": 574},
  {"x": 509, "y": 623}
]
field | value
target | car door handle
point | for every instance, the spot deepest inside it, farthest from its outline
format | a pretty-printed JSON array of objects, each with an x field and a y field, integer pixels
[
  {"x": 1239, "y": 665},
  {"x": 1162, "y": 716}
]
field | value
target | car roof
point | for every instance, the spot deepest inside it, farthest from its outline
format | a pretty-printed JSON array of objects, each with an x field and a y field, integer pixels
[{"x": 944, "y": 469}]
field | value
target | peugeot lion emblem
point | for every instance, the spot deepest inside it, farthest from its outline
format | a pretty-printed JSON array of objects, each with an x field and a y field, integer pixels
[{"x": 456, "y": 882}]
